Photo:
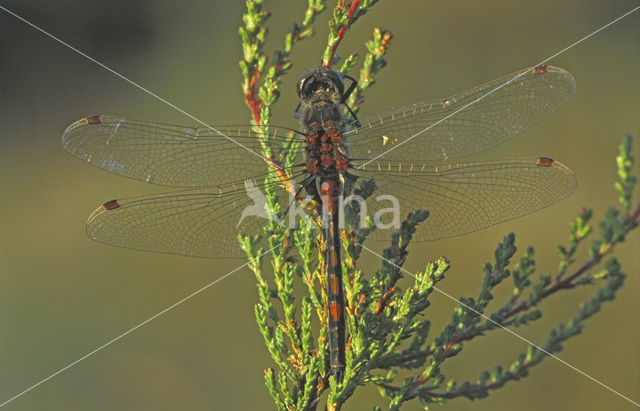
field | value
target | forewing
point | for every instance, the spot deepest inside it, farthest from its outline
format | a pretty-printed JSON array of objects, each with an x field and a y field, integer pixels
[
  {"x": 424, "y": 131},
  {"x": 168, "y": 154},
  {"x": 465, "y": 197}
]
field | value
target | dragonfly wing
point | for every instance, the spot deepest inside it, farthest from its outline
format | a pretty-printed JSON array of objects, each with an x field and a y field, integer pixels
[
  {"x": 193, "y": 222},
  {"x": 170, "y": 155},
  {"x": 480, "y": 118},
  {"x": 465, "y": 197}
]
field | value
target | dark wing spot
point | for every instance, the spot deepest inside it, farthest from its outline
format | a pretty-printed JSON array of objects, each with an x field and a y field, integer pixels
[
  {"x": 544, "y": 162},
  {"x": 111, "y": 205},
  {"x": 540, "y": 69},
  {"x": 94, "y": 120}
]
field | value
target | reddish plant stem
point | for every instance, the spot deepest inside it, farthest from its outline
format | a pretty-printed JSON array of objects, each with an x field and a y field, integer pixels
[
  {"x": 253, "y": 101},
  {"x": 427, "y": 391},
  {"x": 567, "y": 282},
  {"x": 384, "y": 300},
  {"x": 352, "y": 10},
  {"x": 633, "y": 218},
  {"x": 560, "y": 284},
  {"x": 282, "y": 175},
  {"x": 484, "y": 388},
  {"x": 457, "y": 337}
]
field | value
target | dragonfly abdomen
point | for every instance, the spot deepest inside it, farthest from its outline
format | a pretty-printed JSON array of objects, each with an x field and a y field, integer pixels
[{"x": 329, "y": 191}]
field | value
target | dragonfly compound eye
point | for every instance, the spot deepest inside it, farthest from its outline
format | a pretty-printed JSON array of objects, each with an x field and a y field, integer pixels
[{"x": 320, "y": 82}]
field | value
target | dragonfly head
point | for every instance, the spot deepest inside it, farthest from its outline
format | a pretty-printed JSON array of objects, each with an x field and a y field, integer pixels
[{"x": 321, "y": 85}]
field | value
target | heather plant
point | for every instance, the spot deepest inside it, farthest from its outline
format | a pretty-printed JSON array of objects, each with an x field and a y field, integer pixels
[{"x": 390, "y": 334}]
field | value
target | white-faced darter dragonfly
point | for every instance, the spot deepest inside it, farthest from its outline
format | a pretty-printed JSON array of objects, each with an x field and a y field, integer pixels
[{"x": 413, "y": 151}]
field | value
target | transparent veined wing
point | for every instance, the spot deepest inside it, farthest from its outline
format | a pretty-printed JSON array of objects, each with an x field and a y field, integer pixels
[
  {"x": 424, "y": 131},
  {"x": 467, "y": 196},
  {"x": 172, "y": 155},
  {"x": 202, "y": 222}
]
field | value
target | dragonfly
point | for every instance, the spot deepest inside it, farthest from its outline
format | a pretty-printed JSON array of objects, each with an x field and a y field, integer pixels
[{"x": 415, "y": 154}]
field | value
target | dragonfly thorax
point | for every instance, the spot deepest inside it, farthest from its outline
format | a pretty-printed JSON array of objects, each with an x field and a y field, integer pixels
[
  {"x": 326, "y": 153},
  {"x": 323, "y": 121}
]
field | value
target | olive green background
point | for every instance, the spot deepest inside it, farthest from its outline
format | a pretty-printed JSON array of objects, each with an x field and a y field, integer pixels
[{"x": 62, "y": 295}]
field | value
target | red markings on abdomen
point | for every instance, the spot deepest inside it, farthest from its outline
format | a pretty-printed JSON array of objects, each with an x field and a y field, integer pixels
[
  {"x": 328, "y": 188},
  {"x": 328, "y": 191},
  {"x": 335, "y": 310},
  {"x": 334, "y": 285}
]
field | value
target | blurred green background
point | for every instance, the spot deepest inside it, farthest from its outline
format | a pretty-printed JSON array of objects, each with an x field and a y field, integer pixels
[{"x": 62, "y": 295}]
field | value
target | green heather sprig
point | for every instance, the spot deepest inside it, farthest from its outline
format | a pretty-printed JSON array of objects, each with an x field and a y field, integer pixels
[
  {"x": 627, "y": 181},
  {"x": 344, "y": 15},
  {"x": 289, "y": 337},
  {"x": 374, "y": 61},
  {"x": 385, "y": 315},
  {"x": 254, "y": 63},
  {"x": 520, "y": 309}
]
